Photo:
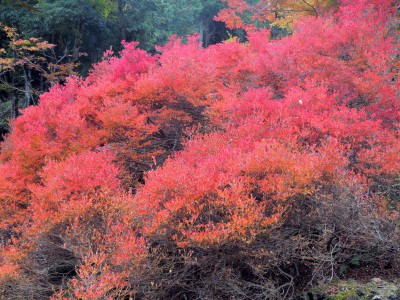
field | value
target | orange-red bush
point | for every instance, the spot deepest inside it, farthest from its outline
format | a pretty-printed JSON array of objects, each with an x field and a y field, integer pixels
[{"x": 152, "y": 158}]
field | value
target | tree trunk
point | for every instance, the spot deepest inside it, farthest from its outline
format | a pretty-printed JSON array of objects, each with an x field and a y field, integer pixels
[
  {"x": 121, "y": 17},
  {"x": 14, "y": 105},
  {"x": 27, "y": 87},
  {"x": 201, "y": 32}
]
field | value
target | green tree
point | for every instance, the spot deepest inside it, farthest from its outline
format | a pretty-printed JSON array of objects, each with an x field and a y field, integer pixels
[{"x": 186, "y": 17}]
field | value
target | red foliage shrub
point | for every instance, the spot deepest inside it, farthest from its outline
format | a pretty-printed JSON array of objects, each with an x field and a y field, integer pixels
[{"x": 161, "y": 165}]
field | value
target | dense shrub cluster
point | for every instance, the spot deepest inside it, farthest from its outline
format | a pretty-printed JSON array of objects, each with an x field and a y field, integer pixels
[{"x": 239, "y": 171}]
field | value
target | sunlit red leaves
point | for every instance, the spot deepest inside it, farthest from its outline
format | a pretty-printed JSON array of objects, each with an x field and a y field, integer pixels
[
  {"x": 222, "y": 185},
  {"x": 314, "y": 114},
  {"x": 72, "y": 186},
  {"x": 132, "y": 63},
  {"x": 110, "y": 247},
  {"x": 266, "y": 122}
]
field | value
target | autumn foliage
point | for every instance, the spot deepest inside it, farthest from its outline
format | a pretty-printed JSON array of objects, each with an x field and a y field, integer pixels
[
  {"x": 250, "y": 15},
  {"x": 262, "y": 163}
]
